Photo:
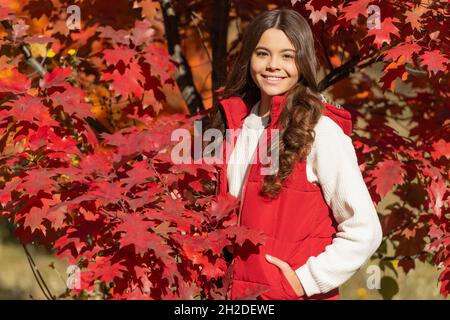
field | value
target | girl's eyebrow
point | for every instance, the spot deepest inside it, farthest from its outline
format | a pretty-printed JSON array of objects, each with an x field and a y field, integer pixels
[{"x": 269, "y": 50}]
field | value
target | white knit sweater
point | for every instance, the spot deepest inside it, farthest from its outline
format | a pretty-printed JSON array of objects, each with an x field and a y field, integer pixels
[{"x": 332, "y": 164}]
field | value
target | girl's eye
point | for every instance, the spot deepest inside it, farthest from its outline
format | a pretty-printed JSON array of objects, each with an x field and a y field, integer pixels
[
  {"x": 261, "y": 53},
  {"x": 288, "y": 56}
]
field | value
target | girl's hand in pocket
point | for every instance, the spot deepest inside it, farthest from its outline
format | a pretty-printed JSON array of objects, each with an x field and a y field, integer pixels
[{"x": 289, "y": 273}]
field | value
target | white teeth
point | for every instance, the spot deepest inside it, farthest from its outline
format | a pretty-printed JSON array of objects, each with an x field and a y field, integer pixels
[{"x": 273, "y": 78}]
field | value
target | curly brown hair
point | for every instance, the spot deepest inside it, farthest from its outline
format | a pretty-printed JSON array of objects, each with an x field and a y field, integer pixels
[{"x": 303, "y": 104}]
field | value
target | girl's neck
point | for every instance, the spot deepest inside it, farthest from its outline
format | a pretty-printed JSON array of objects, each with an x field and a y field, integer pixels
[{"x": 264, "y": 106}]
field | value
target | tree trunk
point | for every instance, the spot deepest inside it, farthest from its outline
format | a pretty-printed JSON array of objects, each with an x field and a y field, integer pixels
[
  {"x": 183, "y": 75},
  {"x": 219, "y": 35}
]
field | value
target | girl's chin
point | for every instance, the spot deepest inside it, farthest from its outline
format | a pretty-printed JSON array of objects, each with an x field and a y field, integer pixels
[{"x": 273, "y": 92}]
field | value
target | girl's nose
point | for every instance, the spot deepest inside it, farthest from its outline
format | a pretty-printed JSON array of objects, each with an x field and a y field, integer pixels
[{"x": 273, "y": 64}]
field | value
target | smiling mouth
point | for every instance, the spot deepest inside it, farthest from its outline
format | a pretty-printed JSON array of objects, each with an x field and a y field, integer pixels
[{"x": 272, "y": 78}]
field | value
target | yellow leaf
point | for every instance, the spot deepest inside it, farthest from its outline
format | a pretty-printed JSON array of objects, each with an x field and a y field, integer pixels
[
  {"x": 51, "y": 53},
  {"x": 362, "y": 95},
  {"x": 362, "y": 293},
  {"x": 395, "y": 264},
  {"x": 38, "y": 49}
]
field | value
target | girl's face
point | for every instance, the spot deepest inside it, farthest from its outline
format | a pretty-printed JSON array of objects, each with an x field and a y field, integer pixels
[{"x": 272, "y": 64}]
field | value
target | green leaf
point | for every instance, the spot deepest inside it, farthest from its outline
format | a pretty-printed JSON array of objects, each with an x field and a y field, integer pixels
[{"x": 389, "y": 288}]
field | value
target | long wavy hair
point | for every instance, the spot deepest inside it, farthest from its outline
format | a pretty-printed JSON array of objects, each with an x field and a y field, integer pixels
[{"x": 303, "y": 104}]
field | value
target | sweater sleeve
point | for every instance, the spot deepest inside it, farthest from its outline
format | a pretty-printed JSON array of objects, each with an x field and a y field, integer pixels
[{"x": 333, "y": 159}]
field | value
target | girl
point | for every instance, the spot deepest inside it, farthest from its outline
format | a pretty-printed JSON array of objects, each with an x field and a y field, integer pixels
[{"x": 315, "y": 210}]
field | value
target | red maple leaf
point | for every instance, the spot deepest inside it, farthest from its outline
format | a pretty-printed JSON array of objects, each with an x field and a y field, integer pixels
[
  {"x": 135, "y": 232},
  {"x": 383, "y": 34},
  {"x": 441, "y": 148},
  {"x": 193, "y": 250},
  {"x": 356, "y": 8},
  {"x": 106, "y": 191},
  {"x": 387, "y": 174},
  {"x": 214, "y": 270},
  {"x": 82, "y": 36},
  {"x": 103, "y": 269},
  {"x": 40, "y": 138},
  {"x": 97, "y": 164},
  {"x": 159, "y": 61},
  {"x": 436, "y": 193},
  {"x": 151, "y": 141},
  {"x": 391, "y": 74},
  {"x": 142, "y": 32},
  {"x": 216, "y": 241},
  {"x": 12, "y": 81},
  {"x": 37, "y": 180},
  {"x": 413, "y": 17},
  {"x": 223, "y": 206},
  {"x": 56, "y": 215},
  {"x": 320, "y": 14},
  {"x": 130, "y": 81},
  {"x": 434, "y": 61},
  {"x": 117, "y": 36},
  {"x": 6, "y": 13},
  {"x": 149, "y": 195},
  {"x": 8, "y": 187},
  {"x": 31, "y": 109},
  {"x": 34, "y": 218},
  {"x": 66, "y": 145},
  {"x": 183, "y": 224},
  {"x": 243, "y": 233},
  {"x": 120, "y": 53},
  {"x": 140, "y": 173},
  {"x": 54, "y": 143},
  {"x": 72, "y": 101},
  {"x": 56, "y": 78},
  {"x": 406, "y": 49}
]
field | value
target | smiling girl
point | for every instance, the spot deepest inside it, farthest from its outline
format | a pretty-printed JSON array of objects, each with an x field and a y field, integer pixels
[{"x": 319, "y": 220}]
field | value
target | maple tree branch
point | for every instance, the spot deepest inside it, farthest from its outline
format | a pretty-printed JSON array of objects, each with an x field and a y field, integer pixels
[
  {"x": 352, "y": 66},
  {"x": 339, "y": 73},
  {"x": 36, "y": 273},
  {"x": 38, "y": 276},
  {"x": 159, "y": 177},
  {"x": 409, "y": 257}
]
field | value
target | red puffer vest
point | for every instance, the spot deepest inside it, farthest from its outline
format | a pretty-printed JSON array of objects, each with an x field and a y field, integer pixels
[{"x": 298, "y": 224}]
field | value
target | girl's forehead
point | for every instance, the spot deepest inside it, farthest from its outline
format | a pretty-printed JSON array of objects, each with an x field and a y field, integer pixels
[{"x": 275, "y": 39}]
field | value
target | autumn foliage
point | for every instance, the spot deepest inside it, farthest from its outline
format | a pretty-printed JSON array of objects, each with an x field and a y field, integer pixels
[{"x": 85, "y": 163}]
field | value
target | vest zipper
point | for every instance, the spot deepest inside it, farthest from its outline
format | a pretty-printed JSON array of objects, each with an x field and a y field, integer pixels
[{"x": 246, "y": 176}]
